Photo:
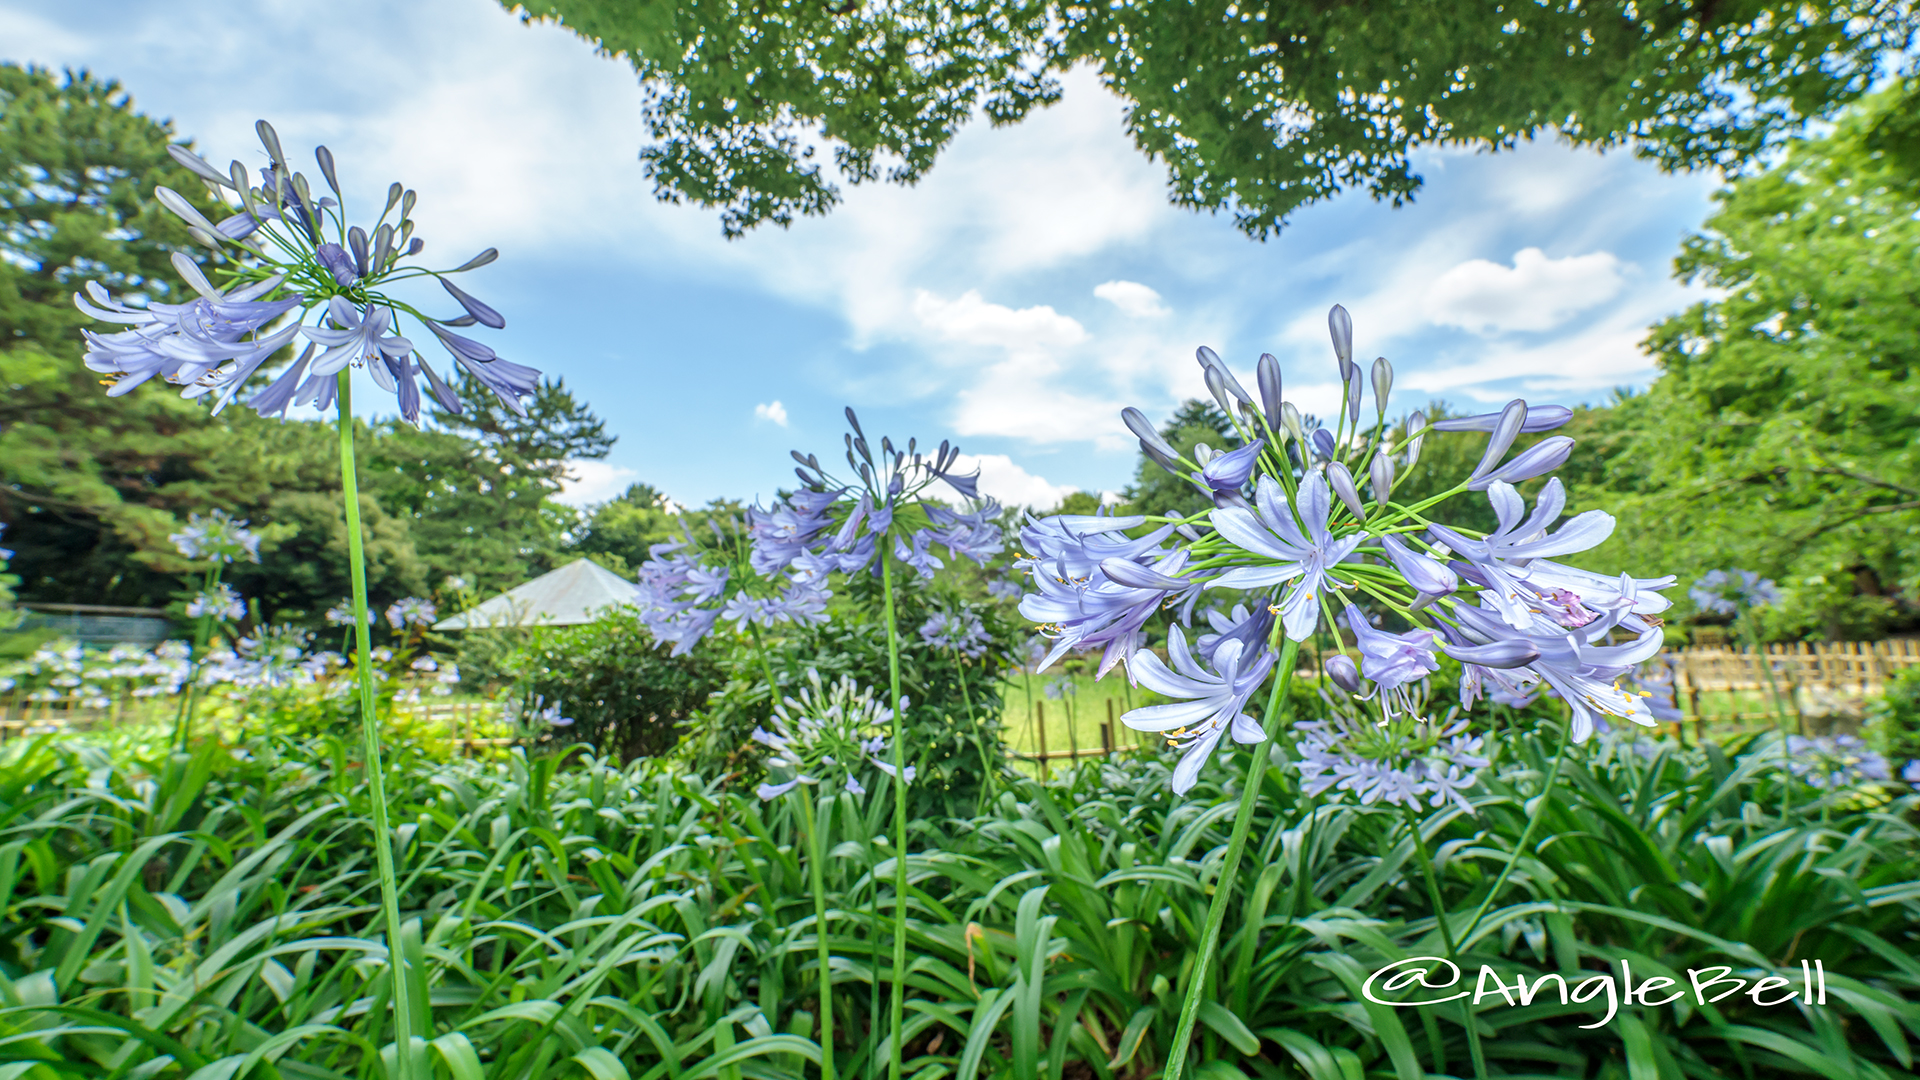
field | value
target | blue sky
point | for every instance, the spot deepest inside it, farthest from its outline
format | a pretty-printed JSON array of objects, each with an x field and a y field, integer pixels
[{"x": 1014, "y": 301}]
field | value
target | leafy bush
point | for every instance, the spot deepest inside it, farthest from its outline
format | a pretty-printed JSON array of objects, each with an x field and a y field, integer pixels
[
  {"x": 1895, "y": 718},
  {"x": 644, "y": 921},
  {"x": 623, "y": 696},
  {"x": 952, "y": 727}
]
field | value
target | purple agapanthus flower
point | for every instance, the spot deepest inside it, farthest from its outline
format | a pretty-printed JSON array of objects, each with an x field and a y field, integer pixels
[
  {"x": 1250, "y": 628},
  {"x": 1728, "y": 592},
  {"x": 219, "y": 602},
  {"x": 216, "y": 537},
  {"x": 1835, "y": 761},
  {"x": 1501, "y": 561},
  {"x": 1224, "y": 474},
  {"x": 214, "y": 345},
  {"x": 1213, "y": 701},
  {"x": 1587, "y": 675},
  {"x": 1302, "y": 556},
  {"x": 1079, "y": 602},
  {"x": 356, "y": 337},
  {"x": 961, "y": 631},
  {"x": 183, "y": 343},
  {"x": 1441, "y": 768},
  {"x": 967, "y": 535},
  {"x": 411, "y": 611},
  {"x": 1391, "y": 661}
]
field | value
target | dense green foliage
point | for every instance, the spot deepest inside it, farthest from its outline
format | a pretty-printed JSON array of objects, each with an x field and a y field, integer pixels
[
  {"x": 1254, "y": 108},
  {"x": 625, "y": 696},
  {"x": 212, "y": 910},
  {"x": 1781, "y": 436}
]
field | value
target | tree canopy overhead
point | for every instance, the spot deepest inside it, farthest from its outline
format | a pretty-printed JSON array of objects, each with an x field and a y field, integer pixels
[{"x": 1255, "y": 107}]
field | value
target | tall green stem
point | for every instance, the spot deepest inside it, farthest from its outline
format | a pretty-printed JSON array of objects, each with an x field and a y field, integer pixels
[
  {"x": 183, "y": 722},
  {"x": 816, "y": 858},
  {"x": 1526, "y": 836},
  {"x": 898, "y": 1005},
  {"x": 1779, "y": 710},
  {"x": 370, "y": 736},
  {"x": 1446, "y": 939},
  {"x": 973, "y": 724},
  {"x": 1258, "y": 755}
]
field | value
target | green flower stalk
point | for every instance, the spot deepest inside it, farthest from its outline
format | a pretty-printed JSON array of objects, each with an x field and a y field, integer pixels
[
  {"x": 280, "y": 255},
  {"x": 1292, "y": 533}
]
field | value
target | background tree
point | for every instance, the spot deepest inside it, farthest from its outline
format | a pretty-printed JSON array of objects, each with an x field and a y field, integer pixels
[
  {"x": 1254, "y": 107},
  {"x": 1781, "y": 436}
]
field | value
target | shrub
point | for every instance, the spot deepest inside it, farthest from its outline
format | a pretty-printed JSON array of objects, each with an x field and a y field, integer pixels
[{"x": 623, "y": 695}]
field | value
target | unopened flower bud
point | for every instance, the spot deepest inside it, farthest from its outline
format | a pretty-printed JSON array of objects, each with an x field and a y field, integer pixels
[
  {"x": 1416, "y": 422},
  {"x": 477, "y": 261},
  {"x": 1382, "y": 476},
  {"x": 1340, "y": 325},
  {"x": 1212, "y": 362},
  {"x": 406, "y": 203},
  {"x": 1382, "y": 384},
  {"x": 189, "y": 271},
  {"x": 1342, "y": 670},
  {"x": 195, "y": 164},
  {"x": 1290, "y": 419},
  {"x": 1342, "y": 483},
  {"x": 1353, "y": 393},
  {"x": 1217, "y": 386},
  {"x": 1136, "y": 422},
  {"x": 1539, "y": 418},
  {"x": 1270, "y": 397},
  {"x": 325, "y": 157},
  {"x": 393, "y": 196},
  {"x": 1501, "y": 439},
  {"x": 270, "y": 140},
  {"x": 183, "y": 209},
  {"x": 1537, "y": 460}
]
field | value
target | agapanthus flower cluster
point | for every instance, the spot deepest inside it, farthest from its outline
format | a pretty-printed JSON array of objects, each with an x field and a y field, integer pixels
[
  {"x": 341, "y": 614},
  {"x": 1305, "y": 526},
  {"x": 1400, "y": 763},
  {"x": 278, "y": 257},
  {"x": 217, "y": 538},
  {"x": 536, "y": 712},
  {"x": 827, "y": 734},
  {"x": 91, "y": 678},
  {"x": 1729, "y": 592},
  {"x": 686, "y": 588},
  {"x": 272, "y": 658},
  {"x": 409, "y": 612},
  {"x": 776, "y": 565},
  {"x": 220, "y": 602},
  {"x": 959, "y": 630},
  {"x": 1831, "y": 762}
]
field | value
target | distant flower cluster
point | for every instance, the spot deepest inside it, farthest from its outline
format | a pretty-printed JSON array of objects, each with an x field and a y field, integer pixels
[
  {"x": 1291, "y": 530},
  {"x": 216, "y": 538},
  {"x": 283, "y": 255},
  {"x": 219, "y": 602},
  {"x": 1831, "y": 762},
  {"x": 1729, "y": 592},
  {"x": 775, "y": 566},
  {"x": 1399, "y": 765},
  {"x": 960, "y": 630},
  {"x": 827, "y": 734}
]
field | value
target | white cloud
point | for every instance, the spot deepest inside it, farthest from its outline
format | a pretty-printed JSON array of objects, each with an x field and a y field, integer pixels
[
  {"x": 974, "y": 321},
  {"x": 773, "y": 411},
  {"x": 1535, "y": 293},
  {"x": 1003, "y": 479},
  {"x": 594, "y": 482},
  {"x": 1135, "y": 299}
]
